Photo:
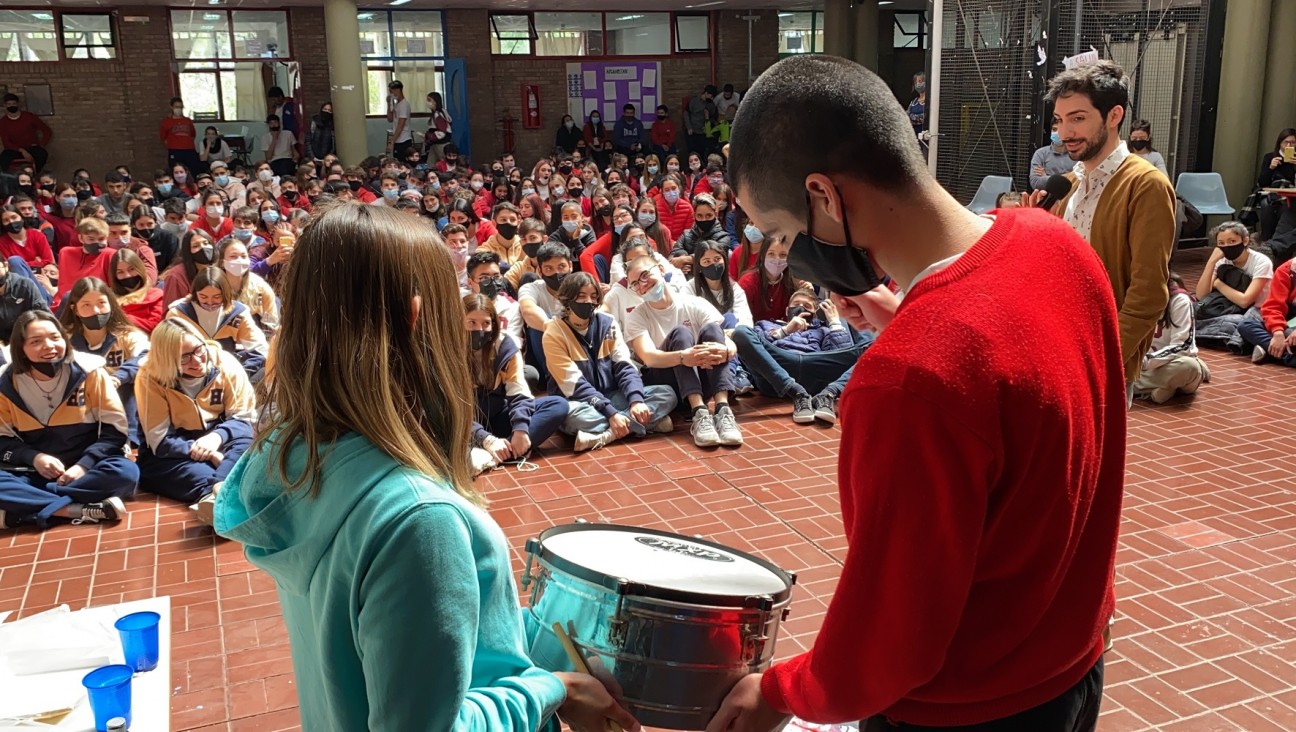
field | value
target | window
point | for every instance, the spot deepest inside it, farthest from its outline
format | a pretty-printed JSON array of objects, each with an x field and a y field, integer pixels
[
  {"x": 910, "y": 30},
  {"x": 692, "y": 34},
  {"x": 512, "y": 35},
  {"x": 408, "y": 45},
  {"x": 639, "y": 34},
  {"x": 569, "y": 34},
  {"x": 224, "y": 90},
  {"x": 800, "y": 32},
  {"x": 88, "y": 36},
  {"x": 222, "y": 34}
]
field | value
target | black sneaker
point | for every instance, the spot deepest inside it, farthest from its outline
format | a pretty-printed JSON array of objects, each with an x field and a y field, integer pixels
[
  {"x": 111, "y": 509},
  {"x": 825, "y": 407},
  {"x": 802, "y": 411}
]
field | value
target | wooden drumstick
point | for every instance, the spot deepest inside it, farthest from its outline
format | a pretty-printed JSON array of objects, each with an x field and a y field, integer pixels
[{"x": 578, "y": 662}]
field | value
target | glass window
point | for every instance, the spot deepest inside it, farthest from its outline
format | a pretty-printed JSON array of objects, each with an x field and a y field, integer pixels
[
  {"x": 638, "y": 34},
  {"x": 569, "y": 34},
  {"x": 88, "y": 36},
  {"x": 692, "y": 33},
  {"x": 261, "y": 34},
  {"x": 200, "y": 34},
  {"x": 417, "y": 33},
  {"x": 375, "y": 35},
  {"x": 801, "y": 32},
  {"x": 28, "y": 35},
  {"x": 419, "y": 77},
  {"x": 225, "y": 91},
  {"x": 910, "y": 30},
  {"x": 512, "y": 34}
]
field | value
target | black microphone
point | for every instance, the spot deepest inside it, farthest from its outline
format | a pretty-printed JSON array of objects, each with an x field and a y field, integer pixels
[{"x": 1056, "y": 188}]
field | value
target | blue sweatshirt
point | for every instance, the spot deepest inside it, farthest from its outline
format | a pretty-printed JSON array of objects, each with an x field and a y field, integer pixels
[
  {"x": 397, "y": 593},
  {"x": 815, "y": 339}
]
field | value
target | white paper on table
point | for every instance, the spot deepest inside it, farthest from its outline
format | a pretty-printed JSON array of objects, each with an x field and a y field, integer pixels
[
  {"x": 591, "y": 80},
  {"x": 609, "y": 90},
  {"x": 5, "y": 615},
  {"x": 27, "y": 695},
  {"x": 55, "y": 640},
  {"x": 634, "y": 90},
  {"x": 650, "y": 77}
]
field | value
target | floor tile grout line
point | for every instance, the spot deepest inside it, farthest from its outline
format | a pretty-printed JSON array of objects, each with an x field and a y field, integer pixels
[{"x": 782, "y": 520}]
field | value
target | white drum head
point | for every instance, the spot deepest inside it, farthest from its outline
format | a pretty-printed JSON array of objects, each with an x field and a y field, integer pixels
[{"x": 669, "y": 562}]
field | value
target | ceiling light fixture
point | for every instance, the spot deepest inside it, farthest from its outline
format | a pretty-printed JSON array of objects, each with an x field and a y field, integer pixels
[
  {"x": 629, "y": 17},
  {"x": 705, "y": 5},
  {"x": 398, "y": 2}
]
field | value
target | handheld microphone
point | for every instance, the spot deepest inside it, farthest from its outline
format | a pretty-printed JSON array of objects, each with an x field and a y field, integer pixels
[{"x": 1056, "y": 188}]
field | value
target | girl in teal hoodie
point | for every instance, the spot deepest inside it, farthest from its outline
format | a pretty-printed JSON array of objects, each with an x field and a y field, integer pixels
[{"x": 394, "y": 582}]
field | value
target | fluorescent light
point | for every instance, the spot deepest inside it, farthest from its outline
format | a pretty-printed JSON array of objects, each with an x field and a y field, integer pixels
[
  {"x": 630, "y": 17},
  {"x": 212, "y": 16},
  {"x": 43, "y": 16},
  {"x": 365, "y": 16},
  {"x": 786, "y": 15},
  {"x": 885, "y": 2},
  {"x": 398, "y": 2},
  {"x": 705, "y": 5}
]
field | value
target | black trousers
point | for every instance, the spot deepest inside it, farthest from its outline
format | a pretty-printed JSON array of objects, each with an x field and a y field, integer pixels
[
  {"x": 1076, "y": 710},
  {"x": 39, "y": 154}
]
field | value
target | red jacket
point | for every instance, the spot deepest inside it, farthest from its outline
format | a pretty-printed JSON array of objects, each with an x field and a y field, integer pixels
[
  {"x": 981, "y": 470},
  {"x": 303, "y": 203},
  {"x": 224, "y": 229},
  {"x": 1277, "y": 308},
  {"x": 602, "y": 245},
  {"x": 65, "y": 234},
  {"x": 737, "y": 267},
  {"x": 364, "y": 195},
  {"x": 74, "y": 263},
  {"x": 178, "y": 133},
  {"x": 147, "y": 311},
  {"x": 663, "y": 133},
  {"x": 679, "y": 219},
  {"x": 771, "y": 307},
  {"x": 35, "y": 251},
  {"x": 26, "y": 131}
]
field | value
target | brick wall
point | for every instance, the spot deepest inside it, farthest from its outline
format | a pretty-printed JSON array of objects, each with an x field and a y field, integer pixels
[
  {"x": 468, "y": 37},
  {"x": 306, "y": 32},
  {"x": 731, "y": 45}
]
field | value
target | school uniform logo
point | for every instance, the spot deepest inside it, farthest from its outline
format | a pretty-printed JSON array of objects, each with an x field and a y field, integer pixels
[
  {"x": 78, "y": 398},
  {"x": 114, "y": 359},
  {"x": 217, "y": 397}
]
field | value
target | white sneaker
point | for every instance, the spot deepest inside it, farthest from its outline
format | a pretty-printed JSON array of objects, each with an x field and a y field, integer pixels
[
  {"x": 704, "y": 429},
  {"x": 480, "y": 461},
  {"x": 586, "y": 441},
  {"x": 205, "y": 509},
  {"x": 727, "y": 426},
  {"x": 1258, "y": 354},
  {"x": 663, "y": 426},
  {"x": 111, "y": 509}
]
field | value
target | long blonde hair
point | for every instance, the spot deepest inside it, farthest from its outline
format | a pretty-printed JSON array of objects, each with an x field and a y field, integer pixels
[
  {"x": 351, "y": 356},
  {"x": 166, "y": 346}
]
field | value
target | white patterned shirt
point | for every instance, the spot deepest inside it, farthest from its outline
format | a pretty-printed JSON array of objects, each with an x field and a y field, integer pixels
[{"x": 1082, "y": 206}]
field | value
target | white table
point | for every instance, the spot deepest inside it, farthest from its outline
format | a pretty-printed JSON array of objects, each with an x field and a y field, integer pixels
[{"x": 150, "y": 691}]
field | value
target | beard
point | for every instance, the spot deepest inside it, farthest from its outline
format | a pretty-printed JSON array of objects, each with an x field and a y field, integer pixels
[{"x": 1092, "y": 147}]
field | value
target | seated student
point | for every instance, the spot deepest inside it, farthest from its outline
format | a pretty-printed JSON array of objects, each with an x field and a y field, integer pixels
[
  {"x": 246, "y": 220},
  {"x": 174, "y": 218},
  {"x": 35, "y": 224},
  {"x": 64, "y": 457},
  {"x": 212, "y": 309},
  {"x": 1008, "y": 199},
  {"x": 18, "y": 294},
  {"x": 197, "y": 253},
  {"x": 706, "y": 227},
  {"x": 20, "y": 243},
  {"x": 505, "y": 240},
  {"x": 119, "y": 237},
  {"x": 196, "y": 408},
  {"x": 248, "y": 288},
  {"x": 680, "y": 341},
  {"x": 508, "y": 421},
  {"x": 460, "y": 246},
  {"x": 572, "y": 232},
  {"x": 485, "y": 278},
  {"x": 801, "y": 355},
  {"x": 1215, "y": 296},
  {"x": 139, "y": 300},
  {"x": 211, "y": 217},
  {"x": 617, "y": 269},
  {"x": 269, "y": 258},
  {"x": 601, "y": 210},
  {"x": 1273, "y": 334},
  {"x": 1171, "y": 365},
  {"x": 591, "y": 366},
  {"x": 673, "y": 209},
  {"x": 712, "y": 283},
  {"x": 164, "y": 244},
  {"x": 538, "y": 300},
  {"x": 90, "y": 259},
  {"x": 389, "y": 186},
  {"x": 532, "y": 234},
  {"x": 596, "y": 259},
  {"x": 619, "y": 300},
  {"x": 97, "y": 325},
  {"x": 770, "y": 286},
  {"x": 461, "y": 212},
  {"x": 232, "y": 188}
]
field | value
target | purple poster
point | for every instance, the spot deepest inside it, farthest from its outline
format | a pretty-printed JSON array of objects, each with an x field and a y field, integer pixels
[{"x": 609, "y": 86}]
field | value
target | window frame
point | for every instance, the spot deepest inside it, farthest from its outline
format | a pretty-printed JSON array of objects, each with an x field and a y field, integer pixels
[
  {"x": 57, "y": 28},
  {"x": 388, "y": 63},
  {"x": 673, "y": 43},
  {"x": 112, "y": 35},
  {"x": 922, "y": 36},
  {"x": 229, "y": 30},
  {"x": 816, "y": 25},
  {"x": 220, "y": 68}
]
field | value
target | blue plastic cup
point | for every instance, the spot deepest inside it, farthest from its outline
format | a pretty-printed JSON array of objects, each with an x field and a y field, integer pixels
[
  {"x": 109, "y": 688},
  {"x": 139, "y": 637}
]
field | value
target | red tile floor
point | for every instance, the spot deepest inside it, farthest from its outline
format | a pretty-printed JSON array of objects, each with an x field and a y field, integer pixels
[{"x": 1206, "y": 635}]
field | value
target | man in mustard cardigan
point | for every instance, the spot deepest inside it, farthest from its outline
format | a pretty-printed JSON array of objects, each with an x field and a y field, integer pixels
[{"x": 1120, "y": 203}]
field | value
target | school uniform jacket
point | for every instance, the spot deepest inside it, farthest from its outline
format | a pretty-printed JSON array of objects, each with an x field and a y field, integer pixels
[
  {"x": 236, "y": 332},
  {"x": 585, "y": 374},
  {"x": 121, "y": 353},
  {"x": 171, "y": 420},
  {"x": 87, "y": 426},
  {"x": 259, "y": 297},
  {"x": 510, "y": 393}
]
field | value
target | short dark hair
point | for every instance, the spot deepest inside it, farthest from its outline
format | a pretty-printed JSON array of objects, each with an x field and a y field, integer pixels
[
  {"x": 10, "y": 97},
  {"x": 552, "y": 250},
  {"x": 274, "y": 91},
  {"x": 176, "y": 99},
  {"x": 820, "y": 114},
  {"x": 396, "y": 84},
  {"x": 117, "y": 218},
  {"x": 113, "y": 176},
  {"x": 728, "y": 87},
  {"x": 504, "y": 206},
  {"x": 710, "y": 89},
  {"x": 1103, "y": 82},
  {"x": 272, "y": 118},
  {"x": 479, "y": 258}
]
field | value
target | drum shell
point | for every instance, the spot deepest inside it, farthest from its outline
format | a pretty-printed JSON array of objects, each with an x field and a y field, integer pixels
[{"x": 675, "y": 662}]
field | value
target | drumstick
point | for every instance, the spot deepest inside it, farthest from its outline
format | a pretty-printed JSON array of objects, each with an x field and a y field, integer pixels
[{"x": 577, "y": 661}]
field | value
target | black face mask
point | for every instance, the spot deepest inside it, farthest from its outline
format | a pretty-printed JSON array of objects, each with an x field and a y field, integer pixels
[
  {"x": 290, "y": 195},
  {"x": 582, "y": 310},
  {"x": 797, "y": 311},
  {"x": 714, "y": 271},
  {"x": 49, "y": 368},
  {"x": 12, "y": 109},
  {"x": 95, "y": 322},
  {"x": 145, "y": 234},
  {"x": 565, "y": 169},
  {"x": 705, "y": 227},
  {"x": 14, "y": 227},
  {"x": 32, "y": 222},
  {"x": 1139, "y": 145},
  {"x": 84, "y": 195},
  {"x": 354, "y": 185},
  {"x": 204, "y": 255},
  {"x": 554, "y": 281},
  {"x": 1233, "y": 252},
  {"x": 604, "y": 211},
  {"x": 531, "y": 250},
  {"x": 492, "y": 287},
  {"x": 506, "y": 231},
  {"x": 479, "y": 339},
  {"x": 91, "y": 248},
  {"x": 843, "y": 269},
  {"x": 131, "y": 283}
]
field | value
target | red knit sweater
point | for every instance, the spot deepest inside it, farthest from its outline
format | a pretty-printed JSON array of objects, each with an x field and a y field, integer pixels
[
  {"x": 981, "y": 471},
  {"x": 1281, "y": 300}
]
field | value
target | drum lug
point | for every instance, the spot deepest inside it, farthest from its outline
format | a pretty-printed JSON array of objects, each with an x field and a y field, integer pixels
[
  {"x": 754, "y": 648},
  {"x": 619, "y": 623},
  {"x": 532, "y": 547},
  {"x": 763, "y": 603}
]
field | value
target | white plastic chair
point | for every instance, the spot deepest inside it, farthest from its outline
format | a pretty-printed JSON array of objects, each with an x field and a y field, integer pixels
[
  {"x": 1205, "y": 191},
  {"x": 991, "y": 187}
]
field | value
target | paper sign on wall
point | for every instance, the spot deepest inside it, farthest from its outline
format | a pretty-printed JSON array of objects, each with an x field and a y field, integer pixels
[{"x": 608, "y": 87}]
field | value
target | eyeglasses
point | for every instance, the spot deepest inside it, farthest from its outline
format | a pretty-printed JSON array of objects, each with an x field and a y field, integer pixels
[
  {"x": 642, "y": 280},
  {"x": 188, "y": 358}
]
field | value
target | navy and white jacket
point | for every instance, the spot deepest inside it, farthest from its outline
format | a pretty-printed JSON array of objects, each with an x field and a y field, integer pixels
[
  {"x": 87, "y": 426},
  {"x": 509, "y": 393},
  {"x": 586, "y": 368}
]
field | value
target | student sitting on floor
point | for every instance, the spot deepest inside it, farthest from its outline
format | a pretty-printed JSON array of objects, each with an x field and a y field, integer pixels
[
  {"x": 62, "y": 431},
  {"x": 533, "y": 235},
  {"x": 509, "y": 422},
  {"x": 1231, "y": 287},
  {"x": 137, "y": 297},
  {"x": 196, "y": 409},
  {"x": 538, "y": 300},
  {"x": 680, "y": 340},
  {"x": 247, "y": 286},
  {"x": 212, "y": 309},
  {"x": 619, "y": 300},
  {"x": 485, "y": 278},
  {"x": 592, "y": 367},
  {"x": 97, "y": 325},
  {"x": 807, "y": 357},
  {"x": 1171, "y": 365},
  {"x": 1274, "y": 334}
]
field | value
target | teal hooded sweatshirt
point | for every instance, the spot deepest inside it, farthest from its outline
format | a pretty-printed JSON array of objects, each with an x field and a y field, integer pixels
[{"x": 397, "y": 594}]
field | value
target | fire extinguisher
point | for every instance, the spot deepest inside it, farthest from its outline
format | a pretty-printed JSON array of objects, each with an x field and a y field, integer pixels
[
  {"x": 530, "y": 106},
  {"x": 507, "y": 122}
]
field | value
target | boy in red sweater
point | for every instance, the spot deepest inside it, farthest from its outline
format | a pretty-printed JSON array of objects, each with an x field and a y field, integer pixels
[
  {"x": 1274, "y": 337},
  {"x": 24, "y": 136},
  {"x": 980, "y": 482},
  {"x": 663, "y": 133},
  {"x": 91, "y": 259}
]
